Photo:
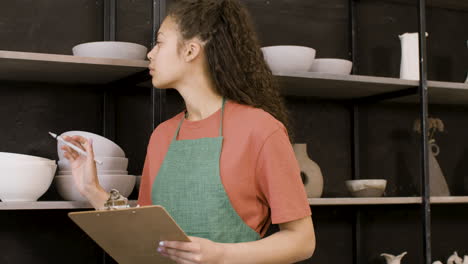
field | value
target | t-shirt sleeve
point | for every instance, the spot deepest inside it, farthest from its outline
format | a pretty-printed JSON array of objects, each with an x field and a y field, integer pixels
[{"x": 279, "y": 179}]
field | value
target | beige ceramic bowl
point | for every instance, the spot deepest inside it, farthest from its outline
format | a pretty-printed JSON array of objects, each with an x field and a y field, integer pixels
[
  {"x": 25, "y": 183},
  {"x": 288, "y": 59},
  {"x": 102, "y": 146},
  {"x": 111, "y": 49},
  {"x": 366, "y": 188},
  {"x": 333, "y": 66},
  {"x": 67, "y": 189},
  {"x": 108, "y": 163}
]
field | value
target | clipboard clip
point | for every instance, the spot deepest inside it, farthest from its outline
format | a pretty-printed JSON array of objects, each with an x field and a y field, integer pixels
[{"x": 116, "y": 201}]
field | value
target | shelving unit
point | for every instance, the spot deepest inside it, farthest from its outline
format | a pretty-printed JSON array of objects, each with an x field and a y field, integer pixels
[{"x": 54, "y": 68}]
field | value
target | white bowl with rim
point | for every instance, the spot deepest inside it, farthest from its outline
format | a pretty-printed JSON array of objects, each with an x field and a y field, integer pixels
[
  {"x": 111, "y": 49},
  {"x": 67, "y": 189},
  {"x": 108, "y": 163},
  {"x": 9, "y": 158},
  {"x": 288, "y": 58},
  {"x": 25, "y": 183},
  {"x": 102, "y": 146},
  {"x": 366, "y": 188},
  {"x": 332, "y": 66}
]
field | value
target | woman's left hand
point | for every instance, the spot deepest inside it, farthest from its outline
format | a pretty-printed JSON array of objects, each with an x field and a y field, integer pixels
[{"x": 199, "y": 250}]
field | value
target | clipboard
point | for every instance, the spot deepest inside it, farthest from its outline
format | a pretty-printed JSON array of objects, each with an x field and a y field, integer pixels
[{"x": 131, "y": 235}]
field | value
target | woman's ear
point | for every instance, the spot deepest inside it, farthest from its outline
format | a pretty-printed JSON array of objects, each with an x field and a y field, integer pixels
[{"x": 192, "y": 51}]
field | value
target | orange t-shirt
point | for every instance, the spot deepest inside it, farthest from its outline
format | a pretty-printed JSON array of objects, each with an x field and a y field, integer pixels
[{"x": 258, "y": 168}]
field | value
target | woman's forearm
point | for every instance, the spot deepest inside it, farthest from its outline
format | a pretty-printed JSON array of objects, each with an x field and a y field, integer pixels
[
  {"x": 286, "y": 246},
  {"x": 97, "y": 196}
]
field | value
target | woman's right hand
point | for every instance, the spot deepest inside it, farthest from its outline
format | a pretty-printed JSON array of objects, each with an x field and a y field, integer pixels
[{"x": 84, "y": 171}]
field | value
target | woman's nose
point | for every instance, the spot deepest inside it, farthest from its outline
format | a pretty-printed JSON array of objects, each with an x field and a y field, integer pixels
[{"x": 150, "y": 54}]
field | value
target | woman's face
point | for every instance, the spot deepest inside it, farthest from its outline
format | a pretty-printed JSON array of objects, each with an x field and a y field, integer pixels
[{"x": 166, "y": 64}]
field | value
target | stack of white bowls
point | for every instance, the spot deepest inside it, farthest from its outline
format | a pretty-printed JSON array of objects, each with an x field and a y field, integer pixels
[
  {"x": 285, "y": 59},
  {"x": 112, "y": 173},
  {"x": 24, "y": 178}
]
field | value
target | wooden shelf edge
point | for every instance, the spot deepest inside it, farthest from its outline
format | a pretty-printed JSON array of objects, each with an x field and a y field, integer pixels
[
  {"x": 348, "y": 77},
  {"x": 31, "y": 56},
  {"x": 449, "y": 200},
  {"x": 364, "y": 201},
  {"x": 50, "y": 205},
  {"x": 386, "y": 200}
]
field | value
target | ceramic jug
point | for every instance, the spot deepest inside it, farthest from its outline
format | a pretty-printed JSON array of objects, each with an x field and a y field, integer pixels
[
  {"x": 455, "y": 259},
  {"x": 312, "y": 177},
  {"x": 409, "y": 66},
  {"x": 391, "y": 259}
]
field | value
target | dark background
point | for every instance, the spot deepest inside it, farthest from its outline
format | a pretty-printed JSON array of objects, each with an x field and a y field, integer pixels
[{"x": 389, "y": 147}]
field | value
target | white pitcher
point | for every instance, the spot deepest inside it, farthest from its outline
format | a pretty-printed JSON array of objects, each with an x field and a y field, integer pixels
[
  {"x": 391, "y": 259},
  {"x": 409, "y": 67}
]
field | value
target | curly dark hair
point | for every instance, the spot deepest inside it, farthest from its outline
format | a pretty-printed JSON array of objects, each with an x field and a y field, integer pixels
[{"x": 233, "y": 53}]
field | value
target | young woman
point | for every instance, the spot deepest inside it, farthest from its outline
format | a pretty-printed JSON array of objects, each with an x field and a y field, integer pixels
[{"x": 224, "y": 168}]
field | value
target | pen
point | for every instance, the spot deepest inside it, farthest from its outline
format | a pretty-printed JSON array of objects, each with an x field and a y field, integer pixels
[{"x": 59, "y": 138}]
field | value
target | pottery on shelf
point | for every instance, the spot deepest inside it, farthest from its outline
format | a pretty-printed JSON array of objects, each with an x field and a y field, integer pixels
[
  {"x": 311, "y": 174},
  {"x": 438, "y": 184},
  {"x": 391, "y": 259},
  {"x": 409, "y": 66},
  {"x": 455, "y": 259}
]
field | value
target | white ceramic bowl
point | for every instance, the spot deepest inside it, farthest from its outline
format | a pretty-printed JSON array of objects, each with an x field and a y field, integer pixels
[
  {"x": 67, "y": 189},
  {"x": 15, "y": 157},
  {"x": 287, "y": 59},
  {"x": 333, "y": 66},
  {"x": 111, "y": 49},
  {"x": 102, "y": 146},
  {"x": 25, "y": 183},
  {"x": 108, "y": 163},
  {"x": 366, "y": 188},
  {"x": 105, "y": 172}
]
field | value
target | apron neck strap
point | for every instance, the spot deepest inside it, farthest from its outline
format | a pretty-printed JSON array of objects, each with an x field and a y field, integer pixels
[{"x": 220, "y": 126}]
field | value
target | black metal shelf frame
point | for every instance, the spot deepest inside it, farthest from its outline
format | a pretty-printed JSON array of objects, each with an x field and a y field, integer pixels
[{"x": 422, "y": 91}]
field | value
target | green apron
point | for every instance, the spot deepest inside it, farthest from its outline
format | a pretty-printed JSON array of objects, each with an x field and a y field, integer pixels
[{"x": 189, "y": 186}]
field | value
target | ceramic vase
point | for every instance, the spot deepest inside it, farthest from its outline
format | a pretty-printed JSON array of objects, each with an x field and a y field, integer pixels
[
  {"x": 310, "y": 172},
  {"x": 438, "y": 184}
]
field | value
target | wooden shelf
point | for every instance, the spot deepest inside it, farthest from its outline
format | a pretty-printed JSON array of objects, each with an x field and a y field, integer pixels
[
  {"x": 346, "y": 87},
  {"x": 54, "y": 68},
  {"x": 461, "y": 5},
  {"x": 49, "y": 205},
  {"x": 71, "y": 205},
  {"x": 449, "y": 200},
  {"x": 364, "y": 201},
  {"x": 386, "y": 200}
]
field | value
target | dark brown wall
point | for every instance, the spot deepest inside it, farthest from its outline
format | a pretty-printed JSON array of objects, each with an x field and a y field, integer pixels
[{"x": 389, "y": 148}]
